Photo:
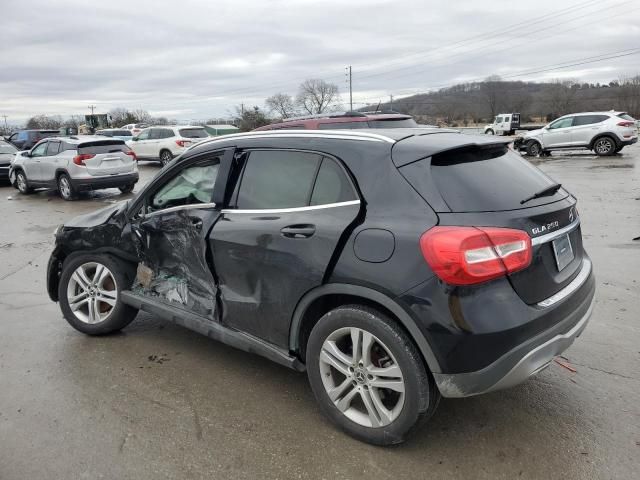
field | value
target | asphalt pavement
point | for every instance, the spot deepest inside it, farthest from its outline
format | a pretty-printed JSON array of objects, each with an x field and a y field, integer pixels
[{"x": 158, "y": 401}]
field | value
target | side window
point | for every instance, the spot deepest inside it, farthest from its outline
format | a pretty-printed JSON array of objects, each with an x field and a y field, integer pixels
[
  {"x": 39, "y": 150},
  {"x": 498, "y": 120},
  {"x": 190, "y": 186},
  {"x": 166, "y": 133},
  {"x": 332, "y": 185},
  {"x": 144, "y": 135},
  {"x": 155, "y": 134},
  {"x": 277, "y": 179},
  {"x": 562, "y": 123},
  {"x": 53, "y": 148}
]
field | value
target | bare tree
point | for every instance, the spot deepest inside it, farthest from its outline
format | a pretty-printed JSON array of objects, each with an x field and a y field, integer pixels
[
  {"x": 561, "y": 97},
  {"x": 282, "y": 104},
  {"x": 246, "y": 119},
  {"x": 316, "y": 96},
  {"x": 491, "y": 89},
  {"x": 141, "y": 116},
  {"x": 629, "y": 95},
  {"x": 44, "y": 122}
]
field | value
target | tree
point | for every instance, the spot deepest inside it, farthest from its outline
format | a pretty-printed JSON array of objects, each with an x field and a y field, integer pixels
[
  {"x": 282, "y": 104},
  {"x": 629, "y": 95},
  {"x": 45, "y": 123},
  {"x": 560, "y": 97},
  {"x": 491, "y": 89},
  {"x": 121, "y": 116},
  {"x": 249, "y": 119},
  {"x": 141, "y": 116},
  {"x": 316, "y": 96}
]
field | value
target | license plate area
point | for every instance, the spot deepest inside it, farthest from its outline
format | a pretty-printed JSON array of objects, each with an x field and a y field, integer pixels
[{"x": 562, "y": 251}]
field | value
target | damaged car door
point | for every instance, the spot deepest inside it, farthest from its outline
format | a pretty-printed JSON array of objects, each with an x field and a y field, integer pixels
[
  {"x": 170, "y": 231},
  {"x": 277, "y": 236}
]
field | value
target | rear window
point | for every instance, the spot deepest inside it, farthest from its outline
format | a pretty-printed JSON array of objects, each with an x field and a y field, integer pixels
[
  {"x": 626, "y": 116},
  {"x": 121, "y": 133},
  {"x": 480, "y": 179},
  {"x": 193, "y": 133},
  {"x": 391, "y": 123},
  {"x": 106, "y": 146},
  {"x": 342, "y": 125}
]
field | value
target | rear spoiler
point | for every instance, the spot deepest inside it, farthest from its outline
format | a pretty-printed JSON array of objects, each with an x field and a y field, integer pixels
[{"x": 428, "y": 144}]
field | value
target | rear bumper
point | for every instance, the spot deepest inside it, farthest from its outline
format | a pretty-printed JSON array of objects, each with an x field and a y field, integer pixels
[
  {"x": 98, "y": 183},
  {"x": 532, "y": 356},
  {"x": 630, "y": 141}
]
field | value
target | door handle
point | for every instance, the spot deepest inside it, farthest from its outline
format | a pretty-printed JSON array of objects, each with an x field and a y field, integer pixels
[{"x": 298, "y": 231}]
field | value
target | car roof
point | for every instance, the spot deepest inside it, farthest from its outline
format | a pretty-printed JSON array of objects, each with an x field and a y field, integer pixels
[
  {"x": 78, "y": 139},
  {"x": 609, "y": 112}
]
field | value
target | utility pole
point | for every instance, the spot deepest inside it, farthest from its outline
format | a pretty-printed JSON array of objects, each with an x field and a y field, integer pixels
[
  {"x": 92, "y": 108},
  {"x": 6, "y": 129},
  {"x": 348, "y": 75},
  {"x": 390, "y": 102},
  {"x": 242, "y": 109}
]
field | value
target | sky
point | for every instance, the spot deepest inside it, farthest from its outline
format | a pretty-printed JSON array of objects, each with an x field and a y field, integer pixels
[{"x": 198, "y": 59}]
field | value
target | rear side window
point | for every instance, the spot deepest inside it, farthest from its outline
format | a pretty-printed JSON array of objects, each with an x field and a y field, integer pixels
[
  {"x": 193, "y": 133},
  {"x": 53, "y": 148},
  {"x": 106, "y": 146},
  {"x": 277, "y": 179},
  {"x": 332, "y": 185},
  {"x": 479, "y": 179},
  {"x": 588, "y": 119}
]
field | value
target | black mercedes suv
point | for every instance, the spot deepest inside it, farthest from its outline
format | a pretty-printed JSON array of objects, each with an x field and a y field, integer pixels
[{"x": 394, "y": 267}]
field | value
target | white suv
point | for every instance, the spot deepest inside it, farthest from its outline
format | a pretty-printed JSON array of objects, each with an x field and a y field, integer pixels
[
  {"x": 164, "y": 143},
  {"x": 606, "y": 133},
  {"x": 75, "y": 164}
]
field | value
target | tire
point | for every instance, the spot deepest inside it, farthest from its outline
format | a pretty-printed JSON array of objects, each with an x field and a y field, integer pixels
[
  {"x": 65, "y": 188},
  {"x": 22, "y": 184},
  {"x": 94, "y": 316},
  {"x": 534, "y": 148},
  {"x": 489, "y": 132},
  {"x": 604, "y": 146},
  {"x": 391, "y": 349},
  {"x": 165, "y": 157},
  {"x": 619, "y": 149},
  {"x": 127, "y": 188}
]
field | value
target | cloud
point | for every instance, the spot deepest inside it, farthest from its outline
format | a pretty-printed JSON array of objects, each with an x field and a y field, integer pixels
[{"x": 198, "y": 59}]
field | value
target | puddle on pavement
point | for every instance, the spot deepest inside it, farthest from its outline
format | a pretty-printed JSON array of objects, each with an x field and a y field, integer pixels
[{"x": 619, "y": 165}]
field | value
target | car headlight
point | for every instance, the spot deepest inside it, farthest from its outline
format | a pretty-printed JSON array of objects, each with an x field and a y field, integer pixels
[{"x": 57, "y": 230}]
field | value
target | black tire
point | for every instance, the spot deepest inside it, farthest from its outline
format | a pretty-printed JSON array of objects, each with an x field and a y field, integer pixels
[
  {"x": 534, "y": 148},
  {"x": 489, "y": 131},
  {"x": 127, "y": 188},
  {"x": 604, "y": 146},
  {"x": 65, "y": 188},
  {"x": 619, "y": 149},
  {"x": 120, "y": 315},
  {"x": 165, "y": 157},
  {"x": 421, "y": 396},
  {"x": 22, "y": 184}
]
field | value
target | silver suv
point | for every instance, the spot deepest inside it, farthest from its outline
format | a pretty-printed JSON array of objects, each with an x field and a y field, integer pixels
[
  {"x": 74, "y": 164},
  {"x": 606, "y": 133}
]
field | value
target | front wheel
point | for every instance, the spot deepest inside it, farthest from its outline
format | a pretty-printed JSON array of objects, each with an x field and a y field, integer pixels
[
  {"x": 65, "y": 188},
  {"x": 533, "y": 149},
  {"x": 21, "y": 183},
  {"x": 368, "y": 376},
  {"x": 165, "y": 157},
  {"x": 127, "y": 188},
  {"x": 489, "y": 132},
  {"x": 90, "y": 291}
]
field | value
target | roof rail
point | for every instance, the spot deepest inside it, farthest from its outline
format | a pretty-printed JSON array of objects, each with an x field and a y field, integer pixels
[{"x": 323, "y": 115}]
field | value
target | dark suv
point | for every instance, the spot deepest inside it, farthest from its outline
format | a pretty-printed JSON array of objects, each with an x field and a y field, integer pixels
[
  {"x": 394, "y": 267},
  {"x": 26, "y": 139},
  {"x": 344, "y": 120}
]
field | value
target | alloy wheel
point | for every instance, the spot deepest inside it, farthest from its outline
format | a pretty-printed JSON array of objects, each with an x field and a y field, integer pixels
[
  {"x": 603, "y": 146},
  {"x": 92, "y": 293},
  {"x": 22, "y": 182},
  {"x": 165, "y": 158},
  {"x": 361, "y": 377},
  {"x": 64, "y": 187}
]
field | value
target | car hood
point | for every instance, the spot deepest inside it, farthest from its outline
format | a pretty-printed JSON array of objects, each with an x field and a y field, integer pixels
[
  {"x": 99, "y": 217},
  {"x": 5, "y": 158},
  {"x": 533, "y": 133}
]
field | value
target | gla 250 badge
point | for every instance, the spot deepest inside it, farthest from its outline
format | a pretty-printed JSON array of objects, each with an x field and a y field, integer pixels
[{"x": 544, "y": 228}]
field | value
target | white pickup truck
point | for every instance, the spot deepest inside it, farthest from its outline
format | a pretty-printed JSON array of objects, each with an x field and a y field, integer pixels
[{"x": 503, "y": 124}]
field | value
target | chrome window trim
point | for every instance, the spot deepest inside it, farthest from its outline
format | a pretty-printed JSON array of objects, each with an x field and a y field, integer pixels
[
  {"x": 191, "y": 206},
  {"x": 575, "y": 284},
  {"x": 553, "y": 235},
  {"x": 293, "y": 209}
]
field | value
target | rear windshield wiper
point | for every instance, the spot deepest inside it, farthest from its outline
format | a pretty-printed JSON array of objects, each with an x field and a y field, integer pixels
[{"x": 545, "y": 192}]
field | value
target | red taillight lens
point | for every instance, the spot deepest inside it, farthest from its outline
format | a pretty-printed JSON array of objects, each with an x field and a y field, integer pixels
[
  {"x": 626, "y": 124},
  {"x": 79, "y": 159},
  {"x": 182, "y": 143},
  {"x": 470, "y": 255},
  {"x": 133, "y": 154}
]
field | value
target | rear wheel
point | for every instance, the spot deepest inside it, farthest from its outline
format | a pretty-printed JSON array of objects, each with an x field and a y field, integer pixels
[
  {"x": 21, "y": 183},
  {"x": 534, "y": 148},
  {"x": 89, "y": 293},
  {"x": 604, "y": 146},
  {"x": 368, "y": 376},
  {"x": 165, "y": 157},
  {"x": 489, "y": 132},
  {"x": 127, "y": 188},
  {"x": 65, "y": 188}
]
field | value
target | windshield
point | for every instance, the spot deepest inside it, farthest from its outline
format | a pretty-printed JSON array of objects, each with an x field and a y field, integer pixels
[
  {"x": 7, "y": 148},
  {"x": 193, "y": 133}
]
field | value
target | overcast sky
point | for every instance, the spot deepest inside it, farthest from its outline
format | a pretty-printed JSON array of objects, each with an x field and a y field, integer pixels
[{"x": 197, "y": 59}]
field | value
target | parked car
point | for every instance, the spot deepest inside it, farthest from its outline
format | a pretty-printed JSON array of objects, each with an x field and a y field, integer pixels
[
  {"x": 75, "y": 164},
  {"x": 135, "y": 128},
  {"x": 119, "y": 133},
  {"x": 7, "y": 152},
  {"x": 344, "y": 120},
  {"x": 26, "y": 139},
  {"x": 394, "y": 267},
  {"x": 606, "y": 133},
  {"x": 166, "y": 142}
]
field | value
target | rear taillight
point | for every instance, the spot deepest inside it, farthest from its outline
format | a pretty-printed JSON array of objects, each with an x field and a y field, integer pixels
[
  {"x": 470, "y": 255},
  {"x": 133, "y": 154},
  {"x": 79, "y": 159},
  {"x": 626, "y": 124},
  {"x": 183, "y": 143}
]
